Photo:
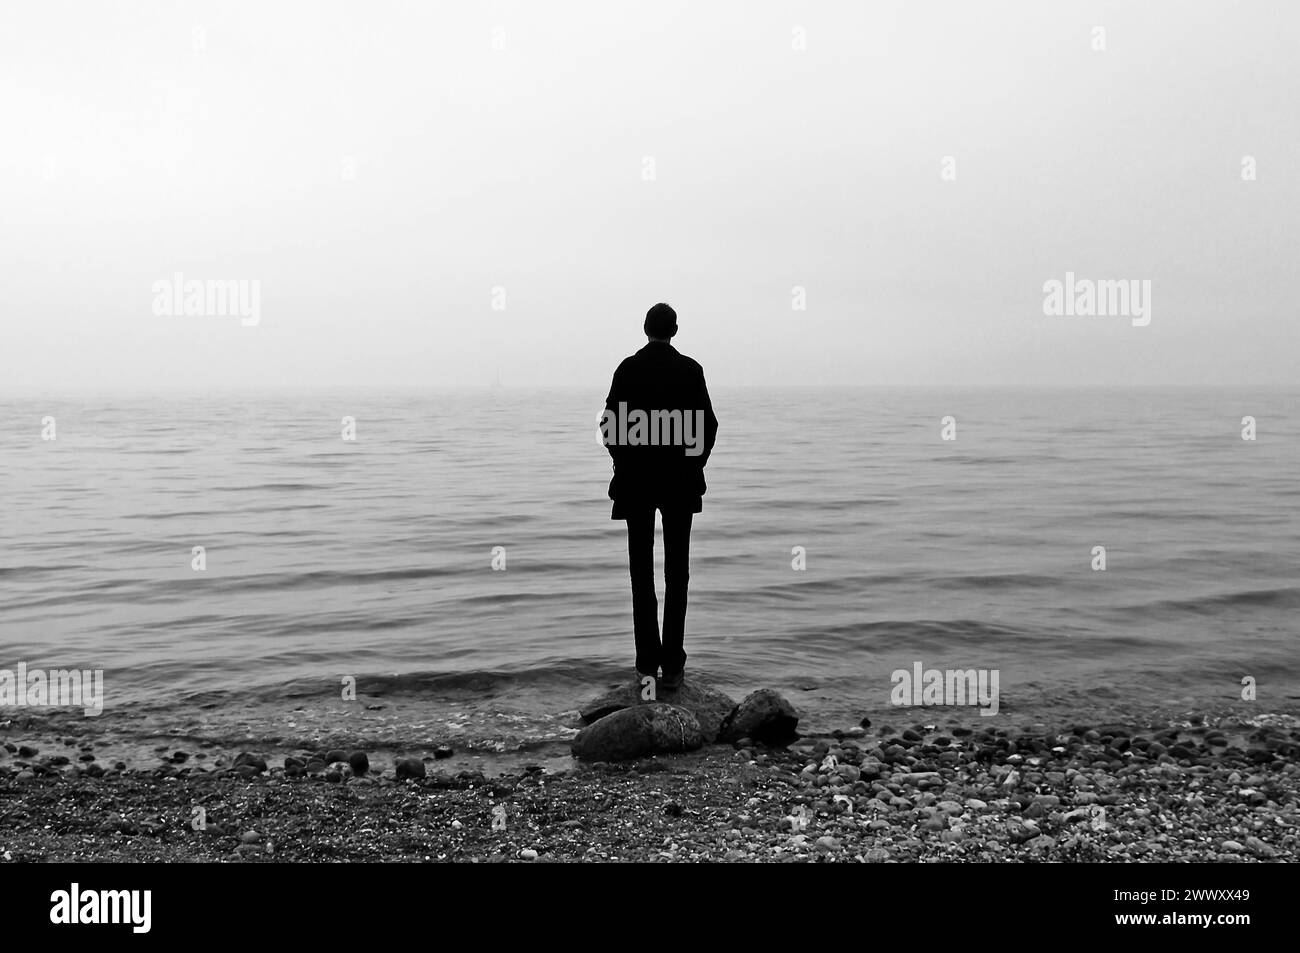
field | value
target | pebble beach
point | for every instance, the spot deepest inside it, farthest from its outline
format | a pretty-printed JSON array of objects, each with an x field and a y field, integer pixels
[{"x": 1208, "y": 788}]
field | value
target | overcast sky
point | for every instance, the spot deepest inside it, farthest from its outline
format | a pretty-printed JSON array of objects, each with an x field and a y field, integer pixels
[{"x": 379, "y": 168}]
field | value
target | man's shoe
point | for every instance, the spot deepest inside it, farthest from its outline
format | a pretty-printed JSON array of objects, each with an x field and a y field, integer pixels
[{"x": 672, "y": 680}]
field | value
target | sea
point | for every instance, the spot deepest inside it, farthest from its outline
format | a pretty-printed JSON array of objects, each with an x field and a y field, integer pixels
[{"x": 407, "y": 568}]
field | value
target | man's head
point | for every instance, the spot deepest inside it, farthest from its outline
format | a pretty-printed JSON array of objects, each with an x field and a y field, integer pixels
[{"x": 660, "y": 322}]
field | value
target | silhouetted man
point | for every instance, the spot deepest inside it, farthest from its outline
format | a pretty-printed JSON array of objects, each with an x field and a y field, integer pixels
[{"x": 659, "y": 427}]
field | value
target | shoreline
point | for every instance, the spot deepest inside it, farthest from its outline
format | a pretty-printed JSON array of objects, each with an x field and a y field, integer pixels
[{"x": 1216, "y": 788}]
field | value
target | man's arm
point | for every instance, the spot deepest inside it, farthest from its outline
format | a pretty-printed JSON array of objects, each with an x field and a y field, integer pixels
[
  {"x": 609, "y": 418},
  {"x": 710, "y": 421}
]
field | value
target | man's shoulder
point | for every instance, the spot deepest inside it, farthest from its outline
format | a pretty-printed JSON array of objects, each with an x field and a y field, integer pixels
[
  {"x": 691, "y": 363},
  {"x": 650, "y": 356}
]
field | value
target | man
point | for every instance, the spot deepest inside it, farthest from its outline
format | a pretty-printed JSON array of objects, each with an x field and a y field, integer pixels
[{"x": 659, "y": 427}]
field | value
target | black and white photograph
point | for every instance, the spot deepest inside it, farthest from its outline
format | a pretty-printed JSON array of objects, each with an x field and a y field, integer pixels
[{"x": 578, "y": 433}]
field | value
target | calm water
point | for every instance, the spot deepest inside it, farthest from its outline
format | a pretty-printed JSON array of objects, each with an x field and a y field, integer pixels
[{"x": 327, "y": 558}]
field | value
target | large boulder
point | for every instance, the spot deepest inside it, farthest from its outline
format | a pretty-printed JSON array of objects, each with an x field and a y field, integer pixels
[
  {"x": 706, "y": 703},
  {"x": 762, "y": 715},
  {"x": 631, "y": 733}
]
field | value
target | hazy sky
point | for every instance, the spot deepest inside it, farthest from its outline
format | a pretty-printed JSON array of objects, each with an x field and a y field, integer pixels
[{"x": 379, "y": 168}]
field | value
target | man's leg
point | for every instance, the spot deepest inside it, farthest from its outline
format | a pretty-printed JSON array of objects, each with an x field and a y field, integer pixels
[
  {"x": 677, "y": 575},
  {"x": 645, "y": 607}
]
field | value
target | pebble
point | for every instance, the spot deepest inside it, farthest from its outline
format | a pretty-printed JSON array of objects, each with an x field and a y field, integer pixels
[
  {"x": 827, "y": 843},
  {"x": 442, "y": 751},
  {"x": 359, "y": 763},
  {"x": 1232, "y": 847},
  {"x": 246, "y": 759},
  {"x": 335, "y": 754},
  {"x": 27, "y": 751},
  {"x": 250, "y": 837},
  {"x": 527, "y": 854},
  {"x": 1020, "y": 833},
  {"x": 1259, "y": 847},
  {"x": 410, "y": 768}
]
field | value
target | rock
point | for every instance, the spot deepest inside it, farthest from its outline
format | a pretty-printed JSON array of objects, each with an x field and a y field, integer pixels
[
  {"x": 920, "y": 778},
  {"x": 1258, "y": 847},
  {"x": 876, "y": 855},
  {"x": 246, "y": 759},
  {"x": 25, "y": 776},
  {"x": 359, "y": 763},
  {"x": 828, "y": 843},
  {"x": 292, "y": 763},
  {"x": 910, "y": 735},
  {"x": 410, "y": 768},
  {"x": 333, "y": 777},
  {"x": 442, "y": 751},
  {"x": 27, "y": 751},
  {"x": 633, "y": 733},
  {"x": 709, "y": 706},
  {"x": 870, "y": 770},
  {"x": 335, "y": 754},
  {"x": 180, "y": 757},
  {"x": 1231, "y": 847},
  {"x": 528, "y": 854},
  {"x": 250, "y": 837},
  {"x": 1020, "y": 833},
  {"x": 762, "y": 715}
]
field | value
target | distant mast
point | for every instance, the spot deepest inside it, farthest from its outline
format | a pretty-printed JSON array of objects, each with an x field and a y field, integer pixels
[{"x": 496, "y": 385}]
